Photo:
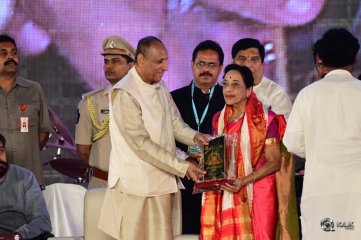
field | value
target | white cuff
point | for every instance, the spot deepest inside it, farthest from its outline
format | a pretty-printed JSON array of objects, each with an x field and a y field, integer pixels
[{"x": 181, "y": 154}]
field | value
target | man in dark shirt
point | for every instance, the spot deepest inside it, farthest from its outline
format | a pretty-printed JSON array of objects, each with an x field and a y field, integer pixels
[
  {"x": 197, "y": 103},
  {"x": 23, "y": 212}
]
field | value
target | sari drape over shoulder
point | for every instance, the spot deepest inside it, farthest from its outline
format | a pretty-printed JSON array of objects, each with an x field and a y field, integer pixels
[{"x": 253, "y": 212}]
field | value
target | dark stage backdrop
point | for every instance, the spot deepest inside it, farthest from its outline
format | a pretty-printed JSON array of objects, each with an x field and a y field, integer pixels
[{"x": 60, "y": 41}]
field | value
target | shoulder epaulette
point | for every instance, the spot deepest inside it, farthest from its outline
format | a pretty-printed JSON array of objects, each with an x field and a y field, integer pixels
[{"x": 84, "y": 95}]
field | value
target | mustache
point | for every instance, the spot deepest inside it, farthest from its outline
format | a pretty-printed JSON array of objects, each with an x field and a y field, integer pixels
[
  {"x": 10, "y": 61},
  {"x": 206, "y": 74}
]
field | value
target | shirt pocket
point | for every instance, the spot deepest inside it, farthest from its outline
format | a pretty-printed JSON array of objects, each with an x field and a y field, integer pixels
[{"x": 31, "y": 111}]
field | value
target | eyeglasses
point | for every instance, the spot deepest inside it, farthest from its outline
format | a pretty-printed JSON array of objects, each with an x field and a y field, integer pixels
[{"x": 210, "y": 65}]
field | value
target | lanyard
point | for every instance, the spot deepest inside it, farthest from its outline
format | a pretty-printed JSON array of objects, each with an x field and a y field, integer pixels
[{"x": 205, "y": 110}]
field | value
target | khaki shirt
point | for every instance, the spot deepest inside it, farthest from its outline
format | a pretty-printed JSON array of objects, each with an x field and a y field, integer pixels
[
  {"x": 84, "y": 130},
  {"x": 22, "y": 148}
]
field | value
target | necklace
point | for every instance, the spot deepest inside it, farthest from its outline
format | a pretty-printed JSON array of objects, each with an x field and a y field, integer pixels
[{"x": 236, "y": 119}]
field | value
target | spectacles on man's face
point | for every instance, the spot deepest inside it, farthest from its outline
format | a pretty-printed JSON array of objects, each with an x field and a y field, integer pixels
[{"x": 211, "y": 65}]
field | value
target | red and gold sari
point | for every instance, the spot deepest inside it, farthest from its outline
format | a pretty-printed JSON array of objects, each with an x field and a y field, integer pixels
[{"x": 253, "y": 212}]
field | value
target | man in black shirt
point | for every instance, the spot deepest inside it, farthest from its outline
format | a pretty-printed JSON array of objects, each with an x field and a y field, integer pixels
[{"x": 197, "y": 104}]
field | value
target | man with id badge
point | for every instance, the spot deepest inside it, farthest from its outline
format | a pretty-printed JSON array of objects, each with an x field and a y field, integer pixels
[
  {"x": 197, "y": 103},
  {"x": 92, "y": 127},
  {"x": 24, "y": 120}
]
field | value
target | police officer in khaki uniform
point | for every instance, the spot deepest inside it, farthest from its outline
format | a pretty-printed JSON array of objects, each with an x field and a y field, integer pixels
[{"x": 92, "y": 128}]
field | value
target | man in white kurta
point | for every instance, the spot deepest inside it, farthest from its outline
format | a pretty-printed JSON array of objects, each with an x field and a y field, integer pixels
[
  {"x": 144, "y": 121},
  {"x": 250, "y": 52},
  {"x": 325, "y": 127}
]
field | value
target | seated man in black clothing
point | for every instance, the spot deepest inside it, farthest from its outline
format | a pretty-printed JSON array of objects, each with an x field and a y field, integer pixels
[
  {"x": 23, "y": 212},
  {"x": 197, "y": 103}
]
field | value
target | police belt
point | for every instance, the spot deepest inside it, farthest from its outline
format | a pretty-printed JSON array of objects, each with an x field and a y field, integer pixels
[{"x": 98, "y": 173}]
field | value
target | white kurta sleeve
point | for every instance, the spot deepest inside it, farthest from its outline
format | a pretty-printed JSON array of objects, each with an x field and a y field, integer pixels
[
  {"x": 283, "y": 105},
  {"x": 294, "y": 138},
  {"x": 129, "y": 120},
  {"x": 182, "y": 132}
]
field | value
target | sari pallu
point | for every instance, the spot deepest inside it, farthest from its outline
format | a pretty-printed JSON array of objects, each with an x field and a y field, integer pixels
[{"x": 251, "y": 213}]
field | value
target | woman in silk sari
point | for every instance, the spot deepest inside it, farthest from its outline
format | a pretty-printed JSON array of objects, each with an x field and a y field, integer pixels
[{"x": 246, "y": 209}]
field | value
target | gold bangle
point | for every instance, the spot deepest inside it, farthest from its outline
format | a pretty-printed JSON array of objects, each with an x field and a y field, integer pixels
[{"x": 272, "y": 141}]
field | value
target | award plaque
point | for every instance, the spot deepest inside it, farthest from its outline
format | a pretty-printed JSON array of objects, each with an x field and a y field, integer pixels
[{"x": 216, "y": 165}]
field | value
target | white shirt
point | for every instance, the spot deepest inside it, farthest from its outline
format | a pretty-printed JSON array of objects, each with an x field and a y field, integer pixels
[
  {"x": 273, "y": 96},
  {"x": 325, "y": 127}
]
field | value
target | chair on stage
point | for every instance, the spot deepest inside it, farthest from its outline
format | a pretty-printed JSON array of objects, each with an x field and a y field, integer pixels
[
  {"x": 92, "y": 205},
  {"x": 65, "y": 206},
  {"x": 177, "y": 220}
]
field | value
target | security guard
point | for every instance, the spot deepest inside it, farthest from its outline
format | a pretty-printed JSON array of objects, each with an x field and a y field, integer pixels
[
  {"x": 92, "y": 128},
  {"x": 24, "y": 120}
]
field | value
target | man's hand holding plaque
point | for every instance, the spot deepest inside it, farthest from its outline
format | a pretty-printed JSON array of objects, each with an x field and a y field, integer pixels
[{"x": 194, "y": 173}]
